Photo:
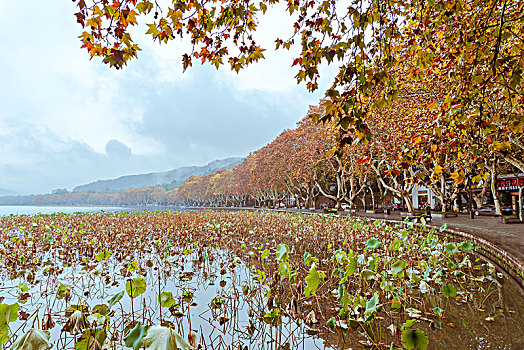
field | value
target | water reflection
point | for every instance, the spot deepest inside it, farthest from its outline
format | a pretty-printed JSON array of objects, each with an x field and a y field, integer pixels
[
  {"x": 226, "y": 304},
  {"x": 216, "y": 298}
]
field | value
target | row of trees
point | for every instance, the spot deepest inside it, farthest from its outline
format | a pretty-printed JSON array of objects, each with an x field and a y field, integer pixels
[
  {"x": 409, "y": 147},
  {"x": 432, "y": 90}
]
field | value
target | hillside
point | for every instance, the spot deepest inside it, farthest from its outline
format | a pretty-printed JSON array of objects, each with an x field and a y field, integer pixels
[{"x": 169, "y": 179}]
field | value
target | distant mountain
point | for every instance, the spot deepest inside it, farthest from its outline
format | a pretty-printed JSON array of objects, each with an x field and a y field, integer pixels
[{"x": 168, "y": 179}]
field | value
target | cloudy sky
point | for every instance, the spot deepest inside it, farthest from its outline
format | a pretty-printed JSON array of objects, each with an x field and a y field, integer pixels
[{"x": 67, "y": 121}]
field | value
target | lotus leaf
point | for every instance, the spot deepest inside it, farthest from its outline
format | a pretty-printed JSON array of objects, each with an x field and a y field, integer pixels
[
  {"x": 424, "y": 287},
  {"x": 398, "y": 267},
  {"x": 414, "y": 339},
  {"x": 451, "y": 248},
  {"x": 34, "y": 339},
  {"x": 76, "y": 323},
  {"x": 395, "y": 303},
  {"x": 115, "y": 299},
  {"x": 438, "y": 311},
  {"x": 163, "y": 338},
  {"x": 372, "y": 305},
  {"x": 367, "y": 274},
  {"x": 395, "y": 245},
  {"x": 449, "y": 290},
  {"x": 101, "y": 309},
  {"x": 92, "y": 340},
  {"x": 283, "y": 269},
  {"x": 466, "y": 246},
  {"x": 8, "y": 313},
  {"x": 264, "y": 254},
  {"x": 166, "y": 299},
  {"x": 103, "y": 255},
  {"x": 96, "y": 319},
  {"x": 313, "y": 280},
  {"x": 134, "y": 339},
  {"x": 372, "y": 243},
  {"x": 309, "y": 259},
  {"x": 135, "y": 287},
  {"x": 351, "y": 267},
  {"x": 282, "y": 252}
]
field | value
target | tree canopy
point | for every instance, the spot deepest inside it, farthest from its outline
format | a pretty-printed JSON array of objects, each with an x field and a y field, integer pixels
[
  {"x": 473, "y": 47},
  {"x": 426, "y": 91}
]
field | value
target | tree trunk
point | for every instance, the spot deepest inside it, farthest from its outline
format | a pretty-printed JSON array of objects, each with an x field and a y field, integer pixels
[
  {"x": 363, "y": 200},
  {"x": 401, "y": 188},
  {"x": 382, "y": 194},
  {"x": 494, "y": 190},
  {"x": 408, "y": 201},
  {"x": 479, "y": 198}
]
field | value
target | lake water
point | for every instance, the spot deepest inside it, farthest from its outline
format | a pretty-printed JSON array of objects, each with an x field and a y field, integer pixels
[{"x": 29, "y": 210}]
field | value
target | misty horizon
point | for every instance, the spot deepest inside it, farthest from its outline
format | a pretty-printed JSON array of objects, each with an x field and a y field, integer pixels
[{"x": 67, "y": 121}]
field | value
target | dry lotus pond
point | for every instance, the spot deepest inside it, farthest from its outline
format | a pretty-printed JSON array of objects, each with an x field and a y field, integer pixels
[{"x": 246, "y": 280}]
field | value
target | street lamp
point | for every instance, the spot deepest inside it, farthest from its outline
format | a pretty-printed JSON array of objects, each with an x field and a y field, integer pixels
[{"x": 471, "y": 214}]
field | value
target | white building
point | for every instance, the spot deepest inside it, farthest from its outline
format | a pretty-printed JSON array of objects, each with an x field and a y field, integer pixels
[{"x": 422, "y": 195}]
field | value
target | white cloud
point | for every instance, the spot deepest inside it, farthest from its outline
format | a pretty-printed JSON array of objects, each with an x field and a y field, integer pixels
[
  {"x": 58, "y": 87},
  {"x": 59, "y": 109}
]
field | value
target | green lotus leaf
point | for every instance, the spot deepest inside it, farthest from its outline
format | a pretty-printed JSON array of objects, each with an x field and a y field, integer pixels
[
  {"x": 372, "y": 305},
  {"x": 8, "y": 313},
  {"x": 134, "y": 339},
  {"x": 438, "y": 311},
  {"x": 264, "y": 254},
  {"x": 103, "y": 255},
  {"x": 283, "y": 269},
  {"x": 92, "y": 339},
  {"x": 135, "y": 287},
  {"x": 449, "y": 290},
  {"x": 309, "y": 259},
  {"x": 312, "y": 281},
  {"x": 101, "y": 309},
  {"x": 367, "y": 274},
  {"x": 115, "y": 299},
  {"x": 166, "y": 299},
  {"x": 398, "y": 267},
  {"x": 372, "y": 243},
  {"x": 451, "y": 248},
  {"x": 351, "y": 267},
  {"x": 282, "y": 252},
  {"x": 395, "y": 303},
  {"x": 395, "y": 245},
  {"x": 414, "y": 339},
  {"x": 466, "y": 246}
]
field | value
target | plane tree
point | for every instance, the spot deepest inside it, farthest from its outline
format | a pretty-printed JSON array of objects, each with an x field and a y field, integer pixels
[{"x": 476, "y": 44}]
